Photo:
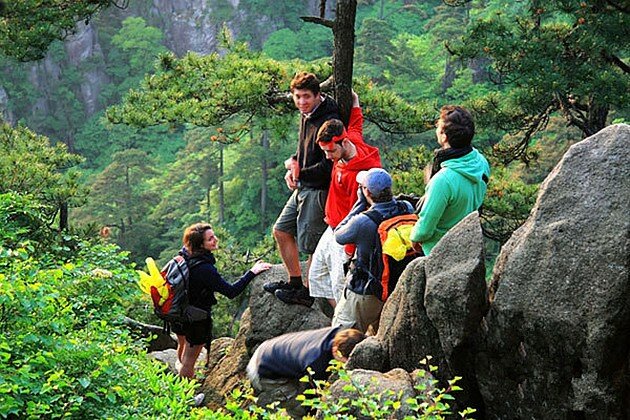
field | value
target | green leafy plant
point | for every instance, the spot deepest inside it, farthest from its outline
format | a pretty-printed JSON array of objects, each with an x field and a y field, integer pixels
[{"x": 429, "y": 402}]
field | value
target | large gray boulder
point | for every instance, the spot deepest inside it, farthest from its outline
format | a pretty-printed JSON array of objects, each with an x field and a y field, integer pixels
[
  {"x": 456, "y": 301},
  {"x": 435, "y": 310},
  {"x": 270, "y": 317},
  {"x": 405, "y": 335},
  {"x": 557, "y": 343}
]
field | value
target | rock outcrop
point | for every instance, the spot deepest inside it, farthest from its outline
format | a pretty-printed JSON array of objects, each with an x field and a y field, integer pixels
[
  {"x": 435, "y": 310},
  {"x": 397, "y": 384},
  {"x": 557, "y": 342}
]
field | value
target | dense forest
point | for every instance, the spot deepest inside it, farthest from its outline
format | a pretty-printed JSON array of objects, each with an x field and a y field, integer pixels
[{"x": 111, "y": 146}]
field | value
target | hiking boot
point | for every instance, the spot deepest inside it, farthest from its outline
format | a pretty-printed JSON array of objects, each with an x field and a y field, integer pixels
[
  {"x": 272, "y": 286},
  {"x": 295, "y": 296}
]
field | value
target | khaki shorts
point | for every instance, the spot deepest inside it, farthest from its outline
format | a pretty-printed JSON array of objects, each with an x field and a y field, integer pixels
[
  {"x": 358, "y": 311},
  {"x": 303, "y": 217}
]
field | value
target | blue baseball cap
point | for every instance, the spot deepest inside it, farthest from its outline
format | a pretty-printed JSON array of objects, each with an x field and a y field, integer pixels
[{"x": 375, "y": 180}]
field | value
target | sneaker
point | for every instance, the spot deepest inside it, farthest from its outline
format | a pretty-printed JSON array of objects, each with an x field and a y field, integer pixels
[
  {"x": 272, "y": 286},
  {"x": 295, "y": 296}
]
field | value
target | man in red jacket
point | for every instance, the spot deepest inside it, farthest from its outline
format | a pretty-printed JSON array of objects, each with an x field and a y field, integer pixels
[{"x": 350, "y": 155}]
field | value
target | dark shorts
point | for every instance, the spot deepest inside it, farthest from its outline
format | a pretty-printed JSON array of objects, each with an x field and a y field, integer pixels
[
  {"x": 199, "y": 332},
  {"x": 303, "y": 217}
]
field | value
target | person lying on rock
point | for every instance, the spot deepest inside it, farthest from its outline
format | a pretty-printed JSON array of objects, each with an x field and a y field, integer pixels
[{"x": 287, "y": 357}]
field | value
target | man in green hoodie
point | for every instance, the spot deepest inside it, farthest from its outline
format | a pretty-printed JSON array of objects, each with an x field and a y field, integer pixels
[{"x": 458, "y": 182}]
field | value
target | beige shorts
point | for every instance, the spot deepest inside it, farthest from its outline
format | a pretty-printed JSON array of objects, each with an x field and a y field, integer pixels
[{"x": 358, "y": 311}]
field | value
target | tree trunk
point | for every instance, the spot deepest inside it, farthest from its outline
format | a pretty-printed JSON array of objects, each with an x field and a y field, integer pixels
[
  {"x": 63, "y": 216},
  {"x": 69, "y": 141},
  {"x": 221, "y": 190},
  {"x": 208, "y": 203},
  {"x": 128, "y": 200},
  {"x": 343, "y": 55},
  {"x": 597, "y": 114},
  {"x": 265, "y": 175},
  {"x": 450, "y": 72}
]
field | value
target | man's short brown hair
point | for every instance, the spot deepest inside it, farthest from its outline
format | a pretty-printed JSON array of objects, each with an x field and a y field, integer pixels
[
  {"x": 329, "y": 129},
  {"x": 304, "y": 80},
  {"x": 459, "y": 126},
  {"x": 346, "y": 341}
]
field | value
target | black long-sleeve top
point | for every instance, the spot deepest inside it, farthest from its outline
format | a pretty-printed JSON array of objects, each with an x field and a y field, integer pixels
[
  {"x": 205, "y": 280},
  {"x": 315, "y": 169}
]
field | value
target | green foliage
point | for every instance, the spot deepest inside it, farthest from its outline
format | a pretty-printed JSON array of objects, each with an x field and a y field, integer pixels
[
  {"x": 277, "y": 14},
  {"x": 391, "y": 113},
  {"x": 98, "y": 141},
  {"x": 121, "y": 200},
  {"x": 30, "y": 165},
  {"x": 133, "y": 54},
  {"x": 557, "y": 56},
  {"x": 407, "y": 167},
  {"x": 309, "y": 43},
  {"x": 28, "y": 27},
  {"x": 63, "y": 351},
  {"x": 358, "y": 400},
  {"x": 507, "y": 205},
  {"x": 209, "y": 90},
  {"x": 22, "y": 220}
]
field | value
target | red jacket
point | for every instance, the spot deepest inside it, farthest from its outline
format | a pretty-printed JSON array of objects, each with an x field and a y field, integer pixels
[{"x": 342, "y": 193}]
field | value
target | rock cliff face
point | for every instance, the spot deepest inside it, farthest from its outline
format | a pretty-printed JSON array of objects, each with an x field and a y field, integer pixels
[
  {"x": 557, "y": 342},
  {"x": 188, "y": 25},
  {"x": 80, "y": 48}
]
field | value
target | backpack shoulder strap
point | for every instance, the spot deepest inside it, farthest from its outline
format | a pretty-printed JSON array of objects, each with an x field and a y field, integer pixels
[
  {"x": 193, "y": 262},
  {"x": 374, "y": 216},
  {"x": 408, "y": 218}
]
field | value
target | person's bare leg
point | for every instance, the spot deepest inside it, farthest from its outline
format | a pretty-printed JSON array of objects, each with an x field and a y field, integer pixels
[
  {"x": 191, "y": 354},
  {"x": 332, "y": 302},
  {"x": 287, "y": 246},
  {"x": 181, "y": 345}
]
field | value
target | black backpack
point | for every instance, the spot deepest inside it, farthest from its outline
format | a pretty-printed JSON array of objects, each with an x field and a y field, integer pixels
[{"x": 176, "y": 306}]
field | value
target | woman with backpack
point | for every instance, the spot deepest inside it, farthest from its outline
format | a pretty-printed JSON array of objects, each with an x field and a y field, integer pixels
[{"x": 199, "y": 242}]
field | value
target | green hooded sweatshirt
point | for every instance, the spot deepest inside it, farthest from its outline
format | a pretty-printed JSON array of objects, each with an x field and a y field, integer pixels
[{"x": 455, "y": 191}]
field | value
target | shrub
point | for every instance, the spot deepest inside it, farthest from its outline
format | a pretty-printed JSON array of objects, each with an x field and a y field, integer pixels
[{"x": 63, "y": 351}]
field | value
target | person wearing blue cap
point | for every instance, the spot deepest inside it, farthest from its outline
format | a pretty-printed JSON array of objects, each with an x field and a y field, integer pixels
[{"x": 360, "y": 306}]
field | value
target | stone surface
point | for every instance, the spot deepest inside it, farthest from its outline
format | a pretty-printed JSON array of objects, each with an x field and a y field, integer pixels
[
  {"x": 557, "y": 342},
  {"x": 405, "y": 334},
  {"x": 271, "y": 317},
  {"x": 455, "y": 295},
  {"x": 456, "y": 302}
]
